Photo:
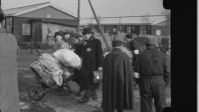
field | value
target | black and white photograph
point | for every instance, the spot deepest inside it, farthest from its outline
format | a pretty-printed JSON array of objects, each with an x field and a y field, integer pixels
[{"x": 85, "y": 56}]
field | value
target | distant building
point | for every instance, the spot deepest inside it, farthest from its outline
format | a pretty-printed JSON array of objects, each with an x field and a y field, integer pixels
[
  {"x": 161, "y": 27},
  {"x": 133, "y": 25},
  {"x": 33, "y": 21}
]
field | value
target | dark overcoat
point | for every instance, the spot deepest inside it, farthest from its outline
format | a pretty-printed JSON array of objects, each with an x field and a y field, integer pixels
[
  {"x": 134, "y": 45},
  {"x": 117, "y": 86},
  {"x": 9, "y": 96},
  {"x": 77, "y": 73},
  {"x": 92, "y": 58}
]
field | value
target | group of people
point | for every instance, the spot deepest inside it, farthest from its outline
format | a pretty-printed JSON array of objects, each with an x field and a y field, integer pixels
[
  {"x": 120, "y": 73},
  {"x": 148, "y": 68}
]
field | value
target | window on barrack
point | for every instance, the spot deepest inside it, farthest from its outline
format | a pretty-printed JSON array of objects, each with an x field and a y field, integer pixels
[{"x": 26, "y": 29}]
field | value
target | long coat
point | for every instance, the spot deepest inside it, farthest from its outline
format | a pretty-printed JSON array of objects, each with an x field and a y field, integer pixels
[
  {"x": 9, "y": 96},
  {"x": 117, "y": 89},
  {"x": 92, "y": 58},
  {"x": 134, "y": 45}
]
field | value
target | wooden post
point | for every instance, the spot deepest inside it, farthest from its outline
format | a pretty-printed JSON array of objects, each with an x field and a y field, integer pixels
[
  {"x": 78, "y": 17},
  {"x": 98, "y": 23}
]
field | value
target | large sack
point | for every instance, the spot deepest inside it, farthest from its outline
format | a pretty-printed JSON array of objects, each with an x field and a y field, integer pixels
[
  {"x": 50, "y": 63},
  {"x": 46, "y": 77},
  {"x": 53, "y": 67},
  {"x": 68, "y": 58},
  {"x": 36, "y": 65}
]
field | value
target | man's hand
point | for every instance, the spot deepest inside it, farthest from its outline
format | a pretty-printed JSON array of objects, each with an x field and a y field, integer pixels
[{"x": 99, "y": 68}]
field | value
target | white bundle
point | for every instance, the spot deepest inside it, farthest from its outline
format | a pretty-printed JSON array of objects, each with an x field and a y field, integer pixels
[
  {"x": 52, "y": 66},
  {"x": 68, "y": 58},
  {"x": 49, "y": 62}
]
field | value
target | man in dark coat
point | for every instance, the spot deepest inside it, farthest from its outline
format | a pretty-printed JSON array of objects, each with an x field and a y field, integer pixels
[
  {"x": 78, "y": 44},
  {"x": 92, "y": 59},
  {"x": 134, "y": 46},
  {"x": 117, "y": 89},
  {"x": 154, "y": 71},
  {"x": 135, "y": 49},
  {"x": 9, "y": 96}
]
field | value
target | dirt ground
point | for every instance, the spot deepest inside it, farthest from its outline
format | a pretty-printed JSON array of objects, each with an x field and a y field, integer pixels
[{"x": 26, "y": 79}]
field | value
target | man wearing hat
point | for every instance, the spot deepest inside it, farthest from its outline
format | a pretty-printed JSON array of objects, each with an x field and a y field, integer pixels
[
  {"x": 68, "y": 38},
  {"x": 92, "y": 59},
  {"x": 9, "y": 95},
  {"x": 58, "y": 42},
  {"x": 117, "y": 90},
  {"x": 154, "y": 72}
]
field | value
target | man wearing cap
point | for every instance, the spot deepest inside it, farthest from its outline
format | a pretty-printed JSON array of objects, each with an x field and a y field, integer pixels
[
  {"x": 92, "y": 59},
  {"x": 117, "y": 90},
  {"x": 9, "y": 95},
  {"x": 152, "y": 66},
  {"x": 58, "y": 42}
]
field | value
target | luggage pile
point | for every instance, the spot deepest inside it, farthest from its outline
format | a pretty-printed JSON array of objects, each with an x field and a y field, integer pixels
[{"x": 56, "y": 67}]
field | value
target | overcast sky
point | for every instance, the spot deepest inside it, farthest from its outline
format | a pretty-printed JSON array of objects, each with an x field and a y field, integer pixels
[{"x": 103, "y": 8}]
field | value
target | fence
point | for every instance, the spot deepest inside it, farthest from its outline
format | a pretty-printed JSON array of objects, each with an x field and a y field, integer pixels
[{"x": 28, "y": 45}]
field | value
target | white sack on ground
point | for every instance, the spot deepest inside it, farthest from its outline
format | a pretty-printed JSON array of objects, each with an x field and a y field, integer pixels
[
  {"x": 49, "y": 62},
  {"x": 68, "y": 58}
]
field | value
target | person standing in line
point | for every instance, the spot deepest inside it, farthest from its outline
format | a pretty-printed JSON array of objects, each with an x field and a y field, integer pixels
[
  {"x": 9, "y": 95},
  {"x": 135, "y": 49},
  {"x": 57, "y": 42},
  {"x": 117, "y": 89},
  {"x": 92, "y": 59},
  {"x": 134, "y": 46},
  {"x": 154, "y": 71},
  {"x": 68, "y": 38},
  {"x": 78, "y": 44}
]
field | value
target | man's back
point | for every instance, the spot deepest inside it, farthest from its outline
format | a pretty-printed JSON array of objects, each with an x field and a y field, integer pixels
[
  {"x": 117, "y": 82},
  {"x": 152, "y": 63},
  {"x": 135, "y": 45}
]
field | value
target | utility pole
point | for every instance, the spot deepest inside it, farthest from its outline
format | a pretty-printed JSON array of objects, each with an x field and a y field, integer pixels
[
  {"x": 78, "y": 17},
  {"x": 98, "y": 23}
]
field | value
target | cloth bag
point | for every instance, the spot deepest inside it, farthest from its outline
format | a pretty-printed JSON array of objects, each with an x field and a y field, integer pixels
[
  {"x": 50, "y": 63},
  {"x": 52, "y": 67},
  {"x": 68, "y": 58}
]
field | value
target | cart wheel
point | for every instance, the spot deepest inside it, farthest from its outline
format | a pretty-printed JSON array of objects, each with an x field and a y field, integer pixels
[
  {"x": 36, "y": 92},
  {"x": 68, "y": 87}
]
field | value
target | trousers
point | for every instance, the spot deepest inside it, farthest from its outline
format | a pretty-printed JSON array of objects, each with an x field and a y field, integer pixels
[{"x": 152, "y": 89}]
